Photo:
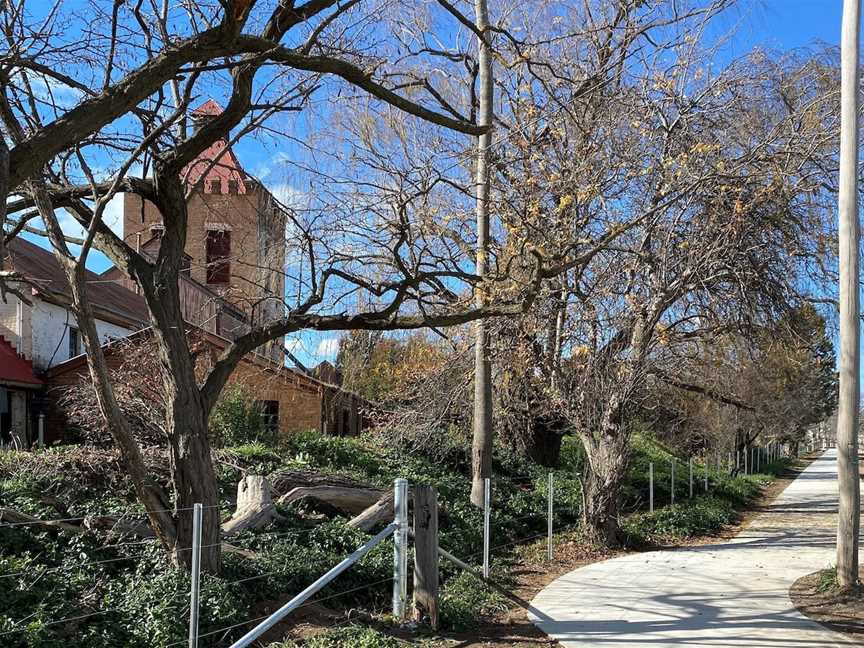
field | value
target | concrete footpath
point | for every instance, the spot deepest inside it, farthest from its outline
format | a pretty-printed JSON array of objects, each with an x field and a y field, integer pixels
[{"x": 731, "y": 594}]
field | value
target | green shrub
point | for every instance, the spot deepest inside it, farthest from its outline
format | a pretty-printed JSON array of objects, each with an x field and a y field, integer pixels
[
  {"x": 352, "y": 636},
  {"x": 465, "y": 600},
  {"x": 827, "y": 580},
  {"x": 701, "y": 516},
  {"x": 237, "y": 420}
]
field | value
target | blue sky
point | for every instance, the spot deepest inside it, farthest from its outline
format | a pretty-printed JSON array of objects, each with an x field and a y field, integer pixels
[
  {"x": 786, "y": 24},
  {"x": 769, "y": 24}
]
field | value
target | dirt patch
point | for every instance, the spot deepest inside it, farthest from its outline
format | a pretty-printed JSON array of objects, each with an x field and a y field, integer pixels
[{"x": 817, "y": 598}]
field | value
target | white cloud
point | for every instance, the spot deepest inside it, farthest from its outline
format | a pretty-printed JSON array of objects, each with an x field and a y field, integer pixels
[
  {"x": 293, "y": 345},
  {"x": 113, "y": 214},
  {"x": 327, "y": 348},
  {"x": 290, "y": 196}
]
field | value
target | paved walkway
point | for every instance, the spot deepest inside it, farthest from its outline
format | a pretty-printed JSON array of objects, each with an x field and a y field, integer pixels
[{"x": 733, "y": 594}]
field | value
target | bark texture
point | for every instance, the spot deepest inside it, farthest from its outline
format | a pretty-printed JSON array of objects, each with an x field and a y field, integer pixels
[
  {"x": 481, "y": 449},
  {"x": 255, "y": 506}
]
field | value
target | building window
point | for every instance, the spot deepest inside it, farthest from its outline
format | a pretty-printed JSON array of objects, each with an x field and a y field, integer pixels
[
  {"x": 270, "y": 413},
  {"x": 74, "y": 342},
  {"x": 218, "y": 257},
  {"x": 216, "y": 186}
]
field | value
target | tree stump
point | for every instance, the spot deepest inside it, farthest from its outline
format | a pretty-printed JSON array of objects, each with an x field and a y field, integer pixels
[{"x": 255, "y": 506}]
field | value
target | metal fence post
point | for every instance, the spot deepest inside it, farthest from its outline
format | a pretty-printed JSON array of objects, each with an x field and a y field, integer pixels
[
  {"x": 673, "y": 481},
  {"x": 651, "y": 487},
  {"x": 400, "y": 547},
  {"x": 690, "y": 466},
  {"x": 706, "y": 473},
  {"x": 195, "y": 596},
  {"x": 551, "y": 494},
  {"x": 487, "y": 510},
  {"x": 41, "y": 437}
]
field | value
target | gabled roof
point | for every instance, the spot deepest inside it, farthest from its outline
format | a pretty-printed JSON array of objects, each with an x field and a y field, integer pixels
[
  {"x": 216, "y": 166},
  {"x": 111, "y": 301},
  {"x": 216, "y": 341},
  {"x": 14, "y": 369}
]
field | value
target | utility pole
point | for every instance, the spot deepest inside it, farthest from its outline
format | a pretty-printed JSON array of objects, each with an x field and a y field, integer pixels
[
  {"x": 849, "y": 517},
  {"x": 481, "y": 447}
]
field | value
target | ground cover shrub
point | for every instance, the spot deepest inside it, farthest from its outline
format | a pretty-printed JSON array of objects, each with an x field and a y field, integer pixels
[
  {"x": 237, "y": 419},
  {"x": 143, "y": 601},
  {"x": 464, "y": 601},
  {"x": 351, "y": 636}
]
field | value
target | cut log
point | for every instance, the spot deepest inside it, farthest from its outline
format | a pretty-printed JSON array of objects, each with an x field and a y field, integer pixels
[
  {"x": 348, "y": 500},
  {"x": 11, "y": 516},
  {"x": 283, "y": 482},
  {"x": 119, "y": 526},
  {"x": 255, "y": 506},
  {"x": 378, "y": 513}
]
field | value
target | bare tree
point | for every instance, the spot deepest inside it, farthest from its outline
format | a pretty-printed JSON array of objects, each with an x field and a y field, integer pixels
[
  {"x": 121, "y": 92},
  {"x": 726, "y": 192}
]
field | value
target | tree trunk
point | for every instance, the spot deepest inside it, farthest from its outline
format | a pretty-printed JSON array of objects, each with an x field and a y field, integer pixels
[
  {"x": 149, "y": 493},
  {"x": 604, "y": 475},
  {"x": 481, "y": 450},
  {"x": 192, "y": 476},
  {"x": 849, "y": 513},
  {"x": 192, "y": 473},
  {"x": 544, "y": 444}
]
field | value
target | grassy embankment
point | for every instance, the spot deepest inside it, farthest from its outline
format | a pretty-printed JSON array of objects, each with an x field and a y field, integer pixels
[{"x": 128, "y": 595}]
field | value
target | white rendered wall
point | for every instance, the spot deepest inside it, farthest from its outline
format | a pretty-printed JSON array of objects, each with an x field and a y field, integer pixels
[{"x": 50, "y": 325}]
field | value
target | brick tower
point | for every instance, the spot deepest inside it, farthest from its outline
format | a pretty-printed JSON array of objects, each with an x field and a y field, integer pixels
[{"x": 235, "y": 243}]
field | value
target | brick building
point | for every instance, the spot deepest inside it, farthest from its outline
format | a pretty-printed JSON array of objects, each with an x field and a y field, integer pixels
[
  {"x": 235, "y": 242},
  {"x": 233, "y": 279},
  {"x": 41, "y": 352}
]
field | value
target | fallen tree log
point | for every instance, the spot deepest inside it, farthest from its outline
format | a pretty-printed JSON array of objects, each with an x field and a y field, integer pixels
[
  {"x": 378, "y": 513},
  {"x": 11, "y": 516},
  {"x": 119, "y": 526},
  {"x": 348, "y": 500},
  {"x": 284, "y": 481},
  {"x": 255, "y": 506}
]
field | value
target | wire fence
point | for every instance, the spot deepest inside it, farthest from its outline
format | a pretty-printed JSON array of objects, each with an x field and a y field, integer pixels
[{"x": 498, "y": 529}]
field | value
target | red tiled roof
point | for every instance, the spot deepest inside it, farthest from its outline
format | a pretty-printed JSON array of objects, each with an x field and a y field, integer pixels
[
  {"x": 216, "y": 166},
  {"x": 14, "y": 368},
  {"x": 210, "y": 108},
  {"x": 108, "y": 298}
]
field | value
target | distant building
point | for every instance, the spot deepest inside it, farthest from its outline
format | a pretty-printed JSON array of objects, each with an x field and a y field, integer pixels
[
  {"x": 233, "y": 279},
  {"x": 235, "y": 242}
]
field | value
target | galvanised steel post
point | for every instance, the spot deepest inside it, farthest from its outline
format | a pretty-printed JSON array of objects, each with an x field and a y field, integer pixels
[
  {"x": 550, "y": 492},
  {"x": 487, "y": 511},
  {"x": 195, "y": 596},
  {"x": 690, "y": 466},
  {"x": 400, "y": 547},
  {"x": 651, "y": 487},
  {"x": 673, "y": 480}
]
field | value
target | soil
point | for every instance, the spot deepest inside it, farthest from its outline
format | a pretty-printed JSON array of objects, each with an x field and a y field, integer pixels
[
  {"x": 816, "y": 598},
  {"x": 840, "y": 611},
  {"x": 532, "y": 572}
]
